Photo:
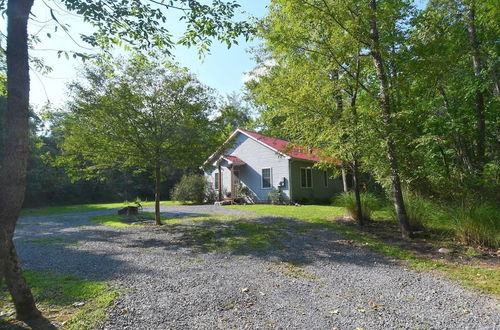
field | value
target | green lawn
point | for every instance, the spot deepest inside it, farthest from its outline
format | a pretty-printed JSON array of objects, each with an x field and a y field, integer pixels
[
  {"x": 50, "y": 210},
  {"x": 304, "y": 212},
  {"x": 115, "y": 220},
  {"x": 67, "y": 300},
  {"x": 477, "y": 277}
]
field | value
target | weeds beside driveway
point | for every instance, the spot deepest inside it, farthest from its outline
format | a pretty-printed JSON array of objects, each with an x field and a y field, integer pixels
[{"x": 219, "y": 268}]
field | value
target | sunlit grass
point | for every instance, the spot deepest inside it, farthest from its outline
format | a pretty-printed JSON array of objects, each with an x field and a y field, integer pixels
[
  {"x": 67, "y": 300},
  {"x": 304, "y": 212},
  {"x": 123, "y": 221}
]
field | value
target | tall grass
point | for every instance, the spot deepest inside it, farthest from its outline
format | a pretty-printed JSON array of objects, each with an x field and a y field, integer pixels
[
  {"x": 477, "y": 224},
  {"x": 369, "y": 203},
  {"x": 421, "y": 212}
]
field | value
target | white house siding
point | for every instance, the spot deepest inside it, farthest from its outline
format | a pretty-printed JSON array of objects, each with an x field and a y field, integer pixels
[{"x": 256, "y": 156}]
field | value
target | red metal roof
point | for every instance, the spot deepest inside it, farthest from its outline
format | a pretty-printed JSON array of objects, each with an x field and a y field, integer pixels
[
  {"x": 233, "y": 159},
  {"x": 286, "y": 148}
]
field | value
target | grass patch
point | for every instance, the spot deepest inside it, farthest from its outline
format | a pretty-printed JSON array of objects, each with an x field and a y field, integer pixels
[
  {"x": 304, "y": 212},
  {"x": 218, "y": 217},
  {"x": 53, "y": 241},
  {"x": 123, "y": 221},
  {"x": 69, "y": 301},
  {"x": 476, "y": 277},
  {"x": 62, "y": 209},
  {"x": 239, "y": 236}
]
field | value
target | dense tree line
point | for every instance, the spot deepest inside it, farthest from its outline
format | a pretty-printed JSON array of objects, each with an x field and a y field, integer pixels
[{"x": 54, "y": 178}]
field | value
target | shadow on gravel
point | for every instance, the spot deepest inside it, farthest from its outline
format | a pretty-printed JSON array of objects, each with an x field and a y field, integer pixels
[
  {"x": 271, "y": 238},
  {"x": 103, "y": 252}
]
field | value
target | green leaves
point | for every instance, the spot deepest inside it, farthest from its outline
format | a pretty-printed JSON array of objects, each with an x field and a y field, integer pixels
[
  {"x": 320, "y": 54},
  {"x": 137, "y": 114},
  {"x": 141, "y": 24}
]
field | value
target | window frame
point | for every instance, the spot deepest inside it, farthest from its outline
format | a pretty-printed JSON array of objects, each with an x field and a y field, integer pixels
[
  {"x": 270, "y": 177},
  {"x": 216, "y": 181},
  {"x": 311, "y": 177}
]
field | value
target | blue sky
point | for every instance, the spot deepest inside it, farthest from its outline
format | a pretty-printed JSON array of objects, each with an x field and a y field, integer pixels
[{"x": 222, "y": 69}]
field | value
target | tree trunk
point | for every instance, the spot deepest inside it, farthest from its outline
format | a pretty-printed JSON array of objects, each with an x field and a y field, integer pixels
[
  {"x": 385, "y": 104},
  {"x": 357, "y": 194},
  {"x": 14, "y": 161},
  {"x": 479, "y": 97},
  {"x": 157, "y": 194},
  {"x": 344, "y": 177}
]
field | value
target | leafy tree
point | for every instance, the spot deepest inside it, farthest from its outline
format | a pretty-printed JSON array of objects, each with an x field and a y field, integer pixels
[
  {"x": 140, "y": 115},
  {"x": 136, "y": 24}
]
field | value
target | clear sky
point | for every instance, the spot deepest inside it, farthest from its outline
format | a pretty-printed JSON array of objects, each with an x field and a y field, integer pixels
[{"x": 223, "y": 69}]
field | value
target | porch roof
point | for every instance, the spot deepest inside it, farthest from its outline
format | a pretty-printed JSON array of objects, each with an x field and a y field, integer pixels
[{"x": 233, "y": 160}]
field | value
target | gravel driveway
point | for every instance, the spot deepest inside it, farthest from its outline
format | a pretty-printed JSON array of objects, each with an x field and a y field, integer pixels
[{"x": 231, "y": 274}]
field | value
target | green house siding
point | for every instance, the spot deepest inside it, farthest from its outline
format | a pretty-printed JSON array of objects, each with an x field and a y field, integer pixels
[{"x": 318, "y": 192}]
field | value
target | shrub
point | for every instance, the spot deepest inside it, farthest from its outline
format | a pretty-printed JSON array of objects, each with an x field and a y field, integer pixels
[
  {"x": 192, "y": 188},
  {"x": 369, "y": 203},
  {"x": 477, "y": 225},
  {"x": 243, "y": 194},
  {"x": 276, "y": 197}
]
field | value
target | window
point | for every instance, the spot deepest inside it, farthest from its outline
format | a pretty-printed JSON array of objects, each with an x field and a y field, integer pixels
[
  {"x": 306, "y": 177},
  {"x": 266, "y": 178},
  {"x": 216, "y": 181},
  {"x": 325, "y": 178}
]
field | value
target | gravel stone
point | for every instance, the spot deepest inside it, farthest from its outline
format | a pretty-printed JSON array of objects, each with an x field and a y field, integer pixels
[{"x": 315, "y": 279}]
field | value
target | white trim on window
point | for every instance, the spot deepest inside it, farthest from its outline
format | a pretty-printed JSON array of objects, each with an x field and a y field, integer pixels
[
  {"x": 308, "y": 181},
  {"x": 270, "y": 178}
]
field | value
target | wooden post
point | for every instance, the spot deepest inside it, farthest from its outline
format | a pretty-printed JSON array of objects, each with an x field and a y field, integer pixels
[
  {"x": 232, "y": 181},
  {"x": 220, "y": 183}
]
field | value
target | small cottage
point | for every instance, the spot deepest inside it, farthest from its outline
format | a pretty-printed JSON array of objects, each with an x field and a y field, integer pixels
[{"x": 265, "y": 167}]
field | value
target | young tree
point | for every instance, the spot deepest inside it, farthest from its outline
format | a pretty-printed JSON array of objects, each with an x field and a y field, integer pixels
[
  {"x": 141, "y": 115},
  {"x": 136, "y": 23}
]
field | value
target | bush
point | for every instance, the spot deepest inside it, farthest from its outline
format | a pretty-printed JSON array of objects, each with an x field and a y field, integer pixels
[
  {"x": 276, "y": 197},
  {"x": 477, "y": 225},
  {"x": 369, "y": 203},
  {"x": 243, "y": 194},
  {"x": 193, "y": 188}
]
